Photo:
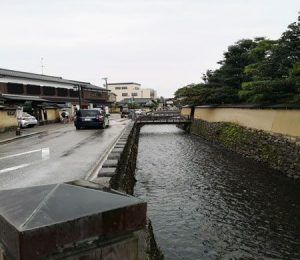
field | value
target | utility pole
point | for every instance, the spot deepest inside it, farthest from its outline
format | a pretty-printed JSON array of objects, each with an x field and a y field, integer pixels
[
  {"x": 105, "y": 79},
  {"x": 79, "y": 95},
  {"x": 42, "y": 65},
  {"x": 78, "y": 88}
]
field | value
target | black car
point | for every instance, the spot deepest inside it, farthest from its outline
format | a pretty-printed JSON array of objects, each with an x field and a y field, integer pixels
[
  {"x": 91, "y": 118},
  {"x": 125, "y": 112}
]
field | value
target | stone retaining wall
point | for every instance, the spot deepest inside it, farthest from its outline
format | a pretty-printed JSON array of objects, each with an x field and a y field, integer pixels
[
  {"x": 124, "y": 179},
  {"x": 276, "y": 151},
  {"x": 118, "y": 172}
]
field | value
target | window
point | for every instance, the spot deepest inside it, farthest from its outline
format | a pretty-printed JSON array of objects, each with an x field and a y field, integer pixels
[
  {"x": 124, "y": 94},
  {"x": 73, "y": 93},
  {"x": 33, "y": 90},
  {"x": 117, "y": 87},
  {"x": 96, "y": 94},
  {"x": 124, "y": 87},
  {"x": 48, "y": 91},
  {"x": 13, "y": 88},
  {"x": 134, "y": 94},
  {"x": 88, "y": 113},
  {"x": 62, "y": 92},
  {"x": 136, "y": 88}
]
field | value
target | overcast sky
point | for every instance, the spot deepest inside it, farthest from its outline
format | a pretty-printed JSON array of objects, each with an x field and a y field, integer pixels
[{"x": 162, "y": 44}]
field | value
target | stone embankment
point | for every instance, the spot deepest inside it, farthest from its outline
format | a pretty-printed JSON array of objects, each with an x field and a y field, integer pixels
[
  {"x": 274, "y": 150},
  {"x": 118, "y": 172}
]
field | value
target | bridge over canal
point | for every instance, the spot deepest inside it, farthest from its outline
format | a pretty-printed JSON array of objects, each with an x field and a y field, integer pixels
[{"x": 163, "y": 117}]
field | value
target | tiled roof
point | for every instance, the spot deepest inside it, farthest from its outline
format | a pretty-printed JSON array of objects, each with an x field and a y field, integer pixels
[
  {"x": 94, "y": 87},
  {"x": 23, "y": 97},
  {"x": 28, "y": 75},
  {"x": 136, "y": 100},
  {"x": 253, "y": 106},
  {"x": 124, "y": 83}
]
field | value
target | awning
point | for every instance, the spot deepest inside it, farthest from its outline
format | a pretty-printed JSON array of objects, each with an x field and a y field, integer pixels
[{"x": 23, "y": 97}]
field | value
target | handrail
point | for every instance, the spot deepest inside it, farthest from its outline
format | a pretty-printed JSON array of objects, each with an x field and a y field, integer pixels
[{"x": 162, "y": 118}]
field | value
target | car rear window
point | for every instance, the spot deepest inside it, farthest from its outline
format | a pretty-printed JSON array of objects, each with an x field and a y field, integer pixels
[
  {"x": 84, "y": 113},
  {"x": 24, "y": 114}
]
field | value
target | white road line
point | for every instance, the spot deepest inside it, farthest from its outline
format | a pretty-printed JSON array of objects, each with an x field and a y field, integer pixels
[
  {"x": 29, "y": 152},
  {"x": 14, "y": 168},
  {"x": 45, "y": 153},
  {"x": 19, "y": 154}
]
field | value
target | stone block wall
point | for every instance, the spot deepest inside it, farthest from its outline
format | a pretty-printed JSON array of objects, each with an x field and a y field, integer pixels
[
  {"x": 121, "y": 166},
  {"x": 274, "y": 150},
  {"x": 124, "y": 179}
]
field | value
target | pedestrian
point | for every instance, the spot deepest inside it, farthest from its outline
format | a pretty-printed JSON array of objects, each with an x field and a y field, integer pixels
[
  {"x": 63, "y": 115},
  {"x": 67, "y": 117}
]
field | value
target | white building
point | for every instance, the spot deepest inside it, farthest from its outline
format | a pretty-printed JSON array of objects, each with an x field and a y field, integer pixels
[
  {"x": 149, "y": 93},
  {"x": 130, "y": 89}
]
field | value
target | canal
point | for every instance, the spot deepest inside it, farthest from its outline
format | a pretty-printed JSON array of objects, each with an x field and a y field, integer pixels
[{"x": 207, "y": 203}]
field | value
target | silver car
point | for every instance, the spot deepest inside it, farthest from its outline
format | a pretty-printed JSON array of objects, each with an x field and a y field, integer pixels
[{"x": 27, "y": 120}]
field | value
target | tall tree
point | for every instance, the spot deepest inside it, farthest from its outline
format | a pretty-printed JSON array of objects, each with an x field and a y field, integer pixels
[
  {"x": 259, "y": 70},
  {"x": 231, "y": 73}
]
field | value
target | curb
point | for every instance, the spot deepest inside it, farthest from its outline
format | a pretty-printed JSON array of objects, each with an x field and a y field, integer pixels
[
  {"x": 9, "y": 140},
  {"x": 108, "y": 167},
  {"x": 93, "y": 173}
]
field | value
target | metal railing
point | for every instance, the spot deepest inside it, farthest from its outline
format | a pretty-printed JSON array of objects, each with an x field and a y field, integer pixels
[{"x": 162, "y": 117}]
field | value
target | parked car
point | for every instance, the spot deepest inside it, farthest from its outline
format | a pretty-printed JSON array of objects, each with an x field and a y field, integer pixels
[
  {"x": 125, "y": 112},
  {"x": 91, "y": 118},
  {"x": 27, "y": 120},
  {"x": 140, "y": 112}
]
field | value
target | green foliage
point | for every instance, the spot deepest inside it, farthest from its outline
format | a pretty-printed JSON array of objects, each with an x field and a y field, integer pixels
[
  {"x": 231, "y": 134},
  {"x": 275, "y": 91},
  {"x": 27, "y": 107},
  {"x": 295, "y": 71},
  {"x": 206, "y": 94},
  {"x": 133, "y": 105},
  {"x": 252, "y": 71},
  {"x": 231, "y": 73}
]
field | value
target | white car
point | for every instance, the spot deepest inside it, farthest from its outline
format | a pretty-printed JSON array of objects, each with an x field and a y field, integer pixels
[{"x": 27, "y": 120}]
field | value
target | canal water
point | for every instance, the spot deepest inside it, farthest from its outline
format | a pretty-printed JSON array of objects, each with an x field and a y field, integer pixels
[{"x": 207, "y": 203}]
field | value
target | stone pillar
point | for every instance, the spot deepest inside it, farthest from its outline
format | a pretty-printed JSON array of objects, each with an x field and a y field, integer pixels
[{"x": 71, "y": 221}]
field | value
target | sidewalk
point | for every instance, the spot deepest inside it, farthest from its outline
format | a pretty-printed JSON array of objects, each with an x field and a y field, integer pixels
[{"x": 10, "y": 136}]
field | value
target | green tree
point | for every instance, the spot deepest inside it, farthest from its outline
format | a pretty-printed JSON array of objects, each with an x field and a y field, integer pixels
[
  {"x": 275, "y": 72},
  {"x": 258, "y": 70},
  {"x": 231, "y": 73}
]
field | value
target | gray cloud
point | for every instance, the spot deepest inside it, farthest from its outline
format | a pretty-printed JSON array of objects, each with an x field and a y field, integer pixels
[{"x": 163, "y": 44}]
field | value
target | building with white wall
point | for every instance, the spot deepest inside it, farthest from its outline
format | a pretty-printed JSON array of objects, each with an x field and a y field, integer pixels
[
  {"x": 149, "y": 93},
  {"x": 130, "y": 90}
]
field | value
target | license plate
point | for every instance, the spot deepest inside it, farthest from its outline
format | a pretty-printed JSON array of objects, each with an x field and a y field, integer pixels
[{"x": 87, "y": 119}]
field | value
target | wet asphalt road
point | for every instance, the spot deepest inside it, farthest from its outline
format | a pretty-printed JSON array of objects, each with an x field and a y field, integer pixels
[{"x": 54, "y": 156}]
